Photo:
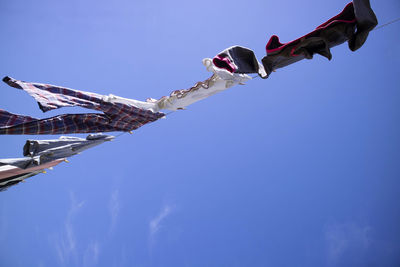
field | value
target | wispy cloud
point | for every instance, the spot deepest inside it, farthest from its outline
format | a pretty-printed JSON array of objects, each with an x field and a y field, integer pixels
[
  {"x": 114, "y": 207},
  {"x": 346, "y": 237},
  {"x": 3, "y": 223},
  {"x": 155, "y": 224},
  {"x": 91, "y": 256},
  {"x": 65, "y": 242}
]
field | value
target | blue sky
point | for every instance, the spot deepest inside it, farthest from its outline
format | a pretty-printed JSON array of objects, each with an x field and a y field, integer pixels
[{"x": 300, "y": 169}]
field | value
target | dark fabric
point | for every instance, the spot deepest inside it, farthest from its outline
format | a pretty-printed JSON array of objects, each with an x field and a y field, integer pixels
[
  {"x": 333, "y": 32},
  {"x": 8, "y": 182},
  {"x": 237, "y": 59},
  {"x": 366, "y": 22},
  {"x": 115, "y": 116}
]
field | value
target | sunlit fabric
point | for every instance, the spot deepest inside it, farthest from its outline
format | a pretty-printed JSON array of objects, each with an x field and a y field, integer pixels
[
  {"x": 115, "y": 116},
  {"x": 43, "y": 154},
  {"x": 220, "y": 80},
  {"x": 11, "y": 175}
]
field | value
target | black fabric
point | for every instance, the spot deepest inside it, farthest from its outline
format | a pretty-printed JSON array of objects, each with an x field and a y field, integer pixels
[
  {"x": 13, "y": 180},
  {"x": 353, "y": 25},
  {"x": 333, "y": 32},
  {"x": 6, "y": 186},
  {"x": 242, "y": 58},
  {"x": 366, "y": 22}
]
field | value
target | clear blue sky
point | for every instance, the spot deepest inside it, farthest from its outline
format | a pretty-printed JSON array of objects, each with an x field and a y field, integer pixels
[{"x": 301, "y": 169}]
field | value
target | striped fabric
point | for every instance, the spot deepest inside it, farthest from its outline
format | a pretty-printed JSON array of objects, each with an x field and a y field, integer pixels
[{"x": 115, "y": 116}]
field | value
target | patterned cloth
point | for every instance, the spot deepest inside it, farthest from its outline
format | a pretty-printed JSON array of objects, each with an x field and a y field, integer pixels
[{"x": 115, "y": 116}]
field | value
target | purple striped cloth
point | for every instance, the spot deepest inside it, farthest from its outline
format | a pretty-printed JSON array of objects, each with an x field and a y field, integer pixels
[{"x": 115, "y": 116}]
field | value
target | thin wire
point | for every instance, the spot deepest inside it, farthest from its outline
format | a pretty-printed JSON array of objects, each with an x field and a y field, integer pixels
[
  {"x": 120, "y": 134},
  {"x": 386, "y": 24},
  {"x": 171, "y": 112}
]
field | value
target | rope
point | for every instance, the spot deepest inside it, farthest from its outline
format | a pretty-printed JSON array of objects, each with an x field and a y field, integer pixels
[
  {"x": 386, "y": 24},
  {"x": 120, "y": 134}
]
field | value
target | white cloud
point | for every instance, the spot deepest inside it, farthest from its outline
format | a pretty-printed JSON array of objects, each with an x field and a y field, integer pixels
[
  {"x": 155, "y": 224},
  {"x": 114, "y": 207},
  {"x": 91, "y": 255},
  {"x": 65, "y": 242},
  {"x": 346, "y": 237},
  {"x": 3, "y": 224}
]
